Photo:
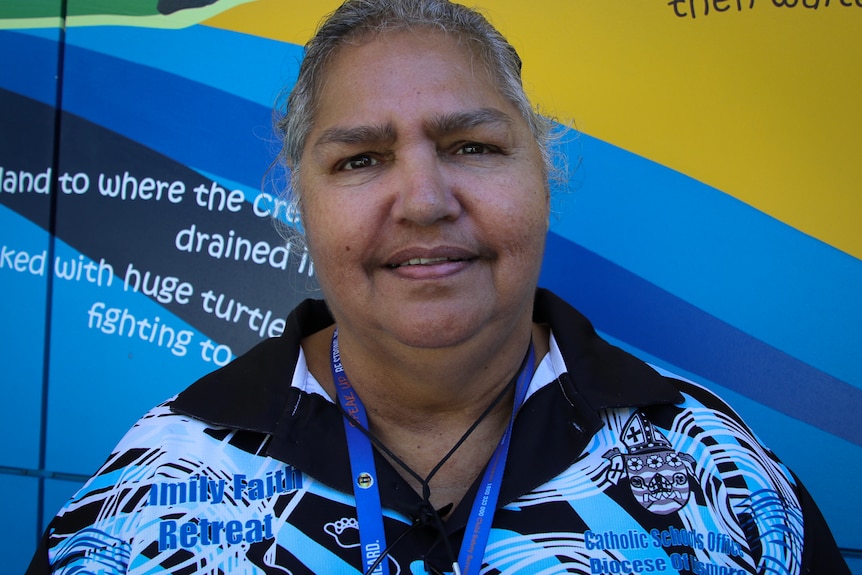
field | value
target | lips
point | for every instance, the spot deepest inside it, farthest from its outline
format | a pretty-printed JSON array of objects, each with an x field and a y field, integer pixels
[
  {"x": 430, "y": 263},
  {"x": 442, "y": 255},
  {"x": 425, "y": 262}
]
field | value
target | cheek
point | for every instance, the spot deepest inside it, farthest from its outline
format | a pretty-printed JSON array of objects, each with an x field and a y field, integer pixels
[
  {"x": 318, "y": 244},
  {"x": 319, "y": 218},
  {"x": 335, "y": 243},
  {"x": 525, "y": 226},
  {"x": 530, "y": 200}
]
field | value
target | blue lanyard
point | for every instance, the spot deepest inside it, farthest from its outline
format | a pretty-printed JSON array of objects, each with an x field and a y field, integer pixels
[{"x": 369, "y": 512}]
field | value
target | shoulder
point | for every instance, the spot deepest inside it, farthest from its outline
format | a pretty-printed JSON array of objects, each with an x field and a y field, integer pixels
[{"x": 167, "y": 473}]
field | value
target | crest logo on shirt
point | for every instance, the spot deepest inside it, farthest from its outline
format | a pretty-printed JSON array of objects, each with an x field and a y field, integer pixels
[{"x": 658, "y": 475}]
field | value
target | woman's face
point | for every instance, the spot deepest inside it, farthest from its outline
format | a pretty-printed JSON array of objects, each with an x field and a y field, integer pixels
[{"x": 424, "y": 196}]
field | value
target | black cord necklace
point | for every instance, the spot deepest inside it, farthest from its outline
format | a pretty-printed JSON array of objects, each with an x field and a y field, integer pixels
[
  {"x": 428, "y": 515},
  {"x": 428, "y": 511}
]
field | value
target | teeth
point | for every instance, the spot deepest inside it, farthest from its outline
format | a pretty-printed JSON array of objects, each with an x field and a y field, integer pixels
[{"x": 423, "y": 261}]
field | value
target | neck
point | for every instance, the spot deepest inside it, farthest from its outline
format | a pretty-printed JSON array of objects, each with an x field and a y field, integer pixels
[
  {"x": 409, "y": 387},
  {"x": 421, "y": 403}
]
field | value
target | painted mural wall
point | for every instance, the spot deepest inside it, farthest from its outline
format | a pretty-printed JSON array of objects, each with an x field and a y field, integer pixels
[{"x": 709, "y": 220}]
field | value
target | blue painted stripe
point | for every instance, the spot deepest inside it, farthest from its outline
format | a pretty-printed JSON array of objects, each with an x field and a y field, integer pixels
[
  {"x": 245, "y": 66},
  {"x": 716, "y": 252},
  {"x": 35, "y": 75},
  {"x": 649, "y": 318},
  {"x": 182, "y": 119}
]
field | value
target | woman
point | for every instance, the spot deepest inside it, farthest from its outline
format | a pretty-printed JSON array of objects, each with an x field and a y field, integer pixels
[{"x": 437, "y": 413}]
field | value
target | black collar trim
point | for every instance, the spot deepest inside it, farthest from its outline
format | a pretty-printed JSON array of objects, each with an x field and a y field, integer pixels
[{"x": 604, "y": 375}]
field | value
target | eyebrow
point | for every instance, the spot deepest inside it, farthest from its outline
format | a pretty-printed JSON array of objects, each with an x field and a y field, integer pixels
[
  {"x": 365, "y": 134},
  {"x": 466, "y": 120},
  {"x": 383, "y": 134}
]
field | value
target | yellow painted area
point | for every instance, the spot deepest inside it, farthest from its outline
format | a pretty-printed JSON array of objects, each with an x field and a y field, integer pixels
[
  {"x": 759, "y": 101},
  {"x": 762, "y": 103},
  {"x": 291, "y": 21}
]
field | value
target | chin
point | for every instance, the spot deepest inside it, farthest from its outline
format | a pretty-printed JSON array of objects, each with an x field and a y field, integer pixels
[
  {"x": 430, "y": 343},
  {"x": 433, "y": 339},
  {"x": 437, "y": 331}
]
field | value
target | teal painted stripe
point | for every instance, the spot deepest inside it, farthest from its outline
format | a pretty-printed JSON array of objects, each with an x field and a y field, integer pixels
[
  {"x": 748, "y": 269},
  {"x": 23, "y": 293},
  {"x": 85, "y": 375}
]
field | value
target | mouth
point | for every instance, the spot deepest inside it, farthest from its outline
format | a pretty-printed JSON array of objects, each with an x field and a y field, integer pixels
[{"x": 426, "y": 262}]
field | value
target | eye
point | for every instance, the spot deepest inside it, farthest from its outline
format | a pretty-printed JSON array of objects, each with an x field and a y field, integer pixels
[
  {"x": 472, "y": 148},
  {"x": 357, "y": 162}
]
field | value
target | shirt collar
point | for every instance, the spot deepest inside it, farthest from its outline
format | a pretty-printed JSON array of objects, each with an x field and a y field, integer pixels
[
  {"x": 255, "y": 393},
  {"x": 602, "y": 375}
]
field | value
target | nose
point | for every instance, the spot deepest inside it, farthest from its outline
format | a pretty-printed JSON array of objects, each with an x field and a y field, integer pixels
[{"x": 425, "y": 194}]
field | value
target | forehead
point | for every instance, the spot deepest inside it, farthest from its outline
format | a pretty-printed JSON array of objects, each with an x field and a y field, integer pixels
[
  {"x": 454, "y": 46},
  {"x": 395, "y": 69}
]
